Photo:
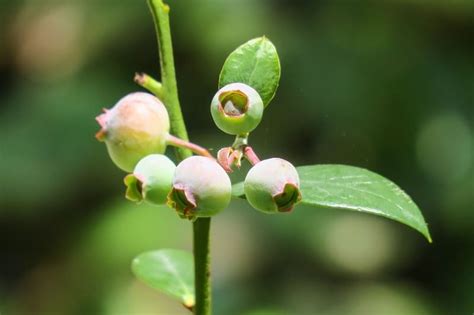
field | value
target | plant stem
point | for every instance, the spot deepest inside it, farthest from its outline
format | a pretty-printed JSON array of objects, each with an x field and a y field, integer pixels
[
  {"x": 240, "y": 141},
  {"x": 149, "y": 83},
  {"x": 201, "y": 227},
  {"x": 160, "y": 13},
  {"x": 202, "y": 264}
]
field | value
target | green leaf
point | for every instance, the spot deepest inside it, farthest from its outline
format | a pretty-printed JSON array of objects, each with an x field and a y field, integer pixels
[
  {"x": 353, "y": 188},
  {"x": 254, "y": 63},
  {"x": 168, "y": 270}
]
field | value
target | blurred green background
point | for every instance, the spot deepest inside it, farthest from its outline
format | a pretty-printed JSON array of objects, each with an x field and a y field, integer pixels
[{"x": 386, "y": 85}]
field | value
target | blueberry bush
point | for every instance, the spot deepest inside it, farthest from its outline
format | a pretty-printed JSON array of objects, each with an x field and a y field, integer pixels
[{"x": 138, "y": 129}]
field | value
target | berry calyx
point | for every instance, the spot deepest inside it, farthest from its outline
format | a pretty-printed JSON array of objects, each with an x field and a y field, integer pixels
[
  {"x": 237, "y": 109},
  {"x": 272, "y": 186}
]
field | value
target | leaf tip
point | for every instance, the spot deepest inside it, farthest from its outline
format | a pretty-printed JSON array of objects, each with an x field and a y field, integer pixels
[
  {"x": 427, "y": 235},
  {"x": 189, "y": 301},
  {"x": 265, "y": 40}
]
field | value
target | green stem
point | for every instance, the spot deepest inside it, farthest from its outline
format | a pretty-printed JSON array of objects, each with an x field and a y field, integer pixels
[
  {"x": 160, "y": 13},
  {"x": 240, "y": 141},
  {"x": 201, "y": 227},
  {"x": 149, "y": 83},
  {"x": 202, "y": 264}
]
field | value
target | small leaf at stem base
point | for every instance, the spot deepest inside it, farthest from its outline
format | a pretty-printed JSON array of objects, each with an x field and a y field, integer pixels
[{"x": 169, "y": 271}]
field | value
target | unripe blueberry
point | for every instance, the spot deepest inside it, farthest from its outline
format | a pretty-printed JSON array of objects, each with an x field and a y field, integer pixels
[
  {"x": 151, "y": 179},
  {"x": 237, "y": 109},
  {"x": 201, "y": 188},
  {"x": 272, "y": 186},
  {"x": 135, "y": 127}
]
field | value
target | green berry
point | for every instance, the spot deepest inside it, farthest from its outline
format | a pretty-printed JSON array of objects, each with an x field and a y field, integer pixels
[
  {"x": 151, "y": 179},
  {"x": 237, "y": 109},
  {"x": 201, "y": 188},
  {"x": 272, "y": 186},
  {"x": 135, "y": 127}
]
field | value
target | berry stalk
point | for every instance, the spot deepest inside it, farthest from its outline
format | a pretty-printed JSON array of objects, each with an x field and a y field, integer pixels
[{"x": 180, "y": 143}]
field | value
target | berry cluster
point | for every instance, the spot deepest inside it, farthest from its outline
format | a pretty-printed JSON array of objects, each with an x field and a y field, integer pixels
[{"x": 136, "y": 133}]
